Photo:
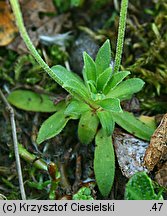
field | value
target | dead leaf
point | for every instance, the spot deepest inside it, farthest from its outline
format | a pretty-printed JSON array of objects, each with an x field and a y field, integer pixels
[
  {"x": 161, "y": 175},
  {"x": 32, "y": 10},
  {"x": 37, "y": 24},
  {"x": 130, "y": 152},
  {"x": 157, "y": 148},
  {"x": 8, "y": 28}
]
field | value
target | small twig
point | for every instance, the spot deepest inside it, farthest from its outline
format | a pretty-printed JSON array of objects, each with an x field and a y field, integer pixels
[
  {"x": 16, "y": 151},
  {"x": 35, "y": 132},
  {"x": 78, "y": 173},
  {"x": 64, "y": 179}
]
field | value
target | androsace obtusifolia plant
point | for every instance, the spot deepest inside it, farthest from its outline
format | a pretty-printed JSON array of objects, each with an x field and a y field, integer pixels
[{"x": 95, "y": 101}]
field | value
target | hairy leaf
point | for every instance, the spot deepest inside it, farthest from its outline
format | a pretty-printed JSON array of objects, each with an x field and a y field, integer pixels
[
  {"x": 126, "y": 88},
  {"x": 87, "y": 127},
  {"x": 110, "y": 104},
  {"x": 97, "y": 97},
  {"x": 103, "y": 58},
  {"x": 76, "y": 108},
  {"x": 134, "y": 126},
  {"x": 104, "y": 162},
  {"x": 92, "y": 86},
  {"x": 76, "y": 89},
  {"x": 89, "y": 68},
  {"x": 31, "y": 101},
  {"x": 71, "y": 82},
  {"x": 52, "y": 126},
  {"x": 140, "y": 187},
  {"x": 103, "y": 79},
  {"x": 106, "y": 121},
  {"x": 115, "y": 80}
]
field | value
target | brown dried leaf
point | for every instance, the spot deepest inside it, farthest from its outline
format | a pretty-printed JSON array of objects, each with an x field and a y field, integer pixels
[
  {"x": 31, "y": 11},
  {"x": 130, "y": 152},
  {"x": 157, "y": 148},
  {"x": 37, "y": 24},
  {"x": 52, "y": 27},
  {"x": 8, "y": 28},
  {"x": 161, "y": 175}
]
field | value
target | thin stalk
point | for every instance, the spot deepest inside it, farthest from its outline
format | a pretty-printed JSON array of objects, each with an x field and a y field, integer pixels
[
  {"x": 19, "y": 21},
  {"x": 121, "y": 34},
  {"x": 15, "y": 142},
  {"x": 31, "y": 158}
]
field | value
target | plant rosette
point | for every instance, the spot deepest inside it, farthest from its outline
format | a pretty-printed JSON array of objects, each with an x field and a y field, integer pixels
[{"x": 95, "y": 102}]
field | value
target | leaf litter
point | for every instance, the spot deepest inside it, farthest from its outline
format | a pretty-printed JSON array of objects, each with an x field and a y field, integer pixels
[
  {"x": 8, "y": 29},
  {"x": 157, "y": 149},
  {"x": 39, "y": 18}
]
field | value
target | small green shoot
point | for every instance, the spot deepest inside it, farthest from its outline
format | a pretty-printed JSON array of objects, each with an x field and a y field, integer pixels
[
  {"x": 84, "y": 193},
  {"x": 140, "y": 187}
]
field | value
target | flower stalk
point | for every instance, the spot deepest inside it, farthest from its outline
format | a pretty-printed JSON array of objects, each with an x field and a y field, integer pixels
[{"x": 121, "y": 35}]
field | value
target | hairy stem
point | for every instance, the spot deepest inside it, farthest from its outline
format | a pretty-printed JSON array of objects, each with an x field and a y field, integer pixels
[
  {"x": 19, "y": 21},
  {"x": 121, "y": 34}
]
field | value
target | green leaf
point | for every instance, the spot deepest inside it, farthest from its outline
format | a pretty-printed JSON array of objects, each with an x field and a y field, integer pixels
[
  {"x": 52, "y": 126},
  {"x": 92, "y": 86},
  {"x": 103, "y": 58},
  {"x": 97, "y": 96},
  {"x": 110, "y": 104},
  {"x": 149, "y": 121},
  {"x": 103, "y": 79},
  {"x": 84, "y": 193},
  {"x": 115, "y": 80},
  {"x": 131, "y": 124},
  {"x": 140, "y": 187},
  {"x": 104, "y": 162},
  {"x": 106, "y": 121},
  {"x": 126, "y": 88},
  {"x": 87, "y": 127},
  {"x": 76, "y": 89},
  {"x": 89, "y": 72},
  {"x": 76, "y": 108},
  {"x": 31, "y": 101},
  {"x": 71, "y": 82}
]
